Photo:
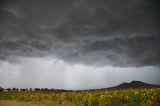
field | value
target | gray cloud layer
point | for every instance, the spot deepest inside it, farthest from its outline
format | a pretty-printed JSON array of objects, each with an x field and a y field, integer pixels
[
  {"x": 52, "y": 73},
  {"x": 93, "y": 32}
]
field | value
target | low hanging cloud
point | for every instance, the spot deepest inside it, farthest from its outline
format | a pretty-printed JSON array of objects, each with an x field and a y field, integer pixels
[
  {"x": 137, "y": 51},
  {"x": 52, "y": 73}
]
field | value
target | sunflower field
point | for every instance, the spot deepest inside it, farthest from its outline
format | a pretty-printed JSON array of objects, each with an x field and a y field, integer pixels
[{"x": 130, "y": 97}]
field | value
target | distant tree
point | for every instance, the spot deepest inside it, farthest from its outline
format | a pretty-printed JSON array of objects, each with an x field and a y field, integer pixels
[
  {"x": 23, "y": 90},
  {"x": 51, "y": 90},
  {"x": 8, "y": 89},
  {"x": 30, "y": 89},
  {"x": 26, "y": 90},
  {"x": 36, "y": 89},
  {"x": 46, "y": 89},
  {"x": 1, "y": 89},
  {"x": 42, "y": 89},
  {"x": 15, "y": 89},
  {"x": 59, "y": 90}
]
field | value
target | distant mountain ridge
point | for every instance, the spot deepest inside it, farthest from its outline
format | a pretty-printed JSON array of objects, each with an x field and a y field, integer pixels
[
  {"x": 134, "y": 84},
  {"x": 125, "y": 85}
]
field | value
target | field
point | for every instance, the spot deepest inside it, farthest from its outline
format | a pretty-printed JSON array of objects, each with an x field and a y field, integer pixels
[{"x": 132, "y": 97}]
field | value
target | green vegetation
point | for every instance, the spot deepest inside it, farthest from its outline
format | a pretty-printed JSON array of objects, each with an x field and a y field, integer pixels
[{"x": 134, "y": 97}]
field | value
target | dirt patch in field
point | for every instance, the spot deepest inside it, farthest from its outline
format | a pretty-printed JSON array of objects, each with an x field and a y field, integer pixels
[{"x": 24, "y": 103}]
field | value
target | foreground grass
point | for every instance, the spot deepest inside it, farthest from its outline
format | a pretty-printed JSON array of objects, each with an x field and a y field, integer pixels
[
  {"x": 30, "y": 103},
  {"x": 139, "y": 97}
]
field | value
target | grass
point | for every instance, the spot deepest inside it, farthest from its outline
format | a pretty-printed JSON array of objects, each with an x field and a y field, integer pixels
[
  {"x": 133, "y": 97},
  {"x": 29, "y": 103}
]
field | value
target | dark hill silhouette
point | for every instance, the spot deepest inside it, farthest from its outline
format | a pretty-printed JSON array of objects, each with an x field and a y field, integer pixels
[
  {"x": 134, "y": 84},
  {"x": 131, "y": 85}
]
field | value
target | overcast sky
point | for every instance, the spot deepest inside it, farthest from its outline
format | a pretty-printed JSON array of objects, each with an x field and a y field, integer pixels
[{"x": 78, "y": 44}]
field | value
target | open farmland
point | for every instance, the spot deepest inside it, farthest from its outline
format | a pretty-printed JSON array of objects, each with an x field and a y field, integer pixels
[{"x": 132, "y": 97}]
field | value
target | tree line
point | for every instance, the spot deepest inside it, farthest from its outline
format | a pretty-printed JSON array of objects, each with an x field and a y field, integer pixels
[{"x": 33, "y": 89}]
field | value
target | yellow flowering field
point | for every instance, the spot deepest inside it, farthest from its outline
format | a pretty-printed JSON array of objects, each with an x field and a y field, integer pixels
[{"x": 131, "y": 97}]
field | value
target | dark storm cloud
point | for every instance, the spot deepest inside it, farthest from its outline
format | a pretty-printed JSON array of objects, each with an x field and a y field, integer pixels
[
  {"x": 135, "y": 51},
  {"x": 95, "y": 32}
]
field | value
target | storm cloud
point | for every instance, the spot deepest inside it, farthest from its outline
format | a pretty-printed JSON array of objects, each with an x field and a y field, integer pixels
[
  {"x": 94, "y": 33},
  {"x": 81, "y": 30}
]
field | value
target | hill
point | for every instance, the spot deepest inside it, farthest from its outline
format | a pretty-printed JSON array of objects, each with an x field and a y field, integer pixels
[{"x": 134, "y": 84}]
